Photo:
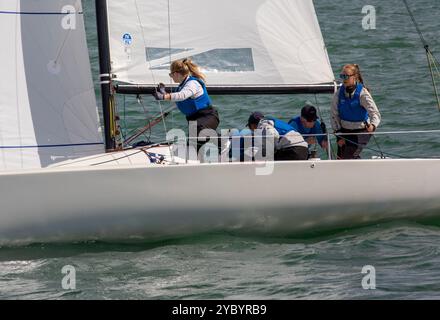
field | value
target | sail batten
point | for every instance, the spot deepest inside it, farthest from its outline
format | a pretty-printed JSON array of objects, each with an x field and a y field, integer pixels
[{"x": 235, "y": 42}]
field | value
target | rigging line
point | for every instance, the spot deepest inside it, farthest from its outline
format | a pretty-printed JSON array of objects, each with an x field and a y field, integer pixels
[
  {"x": 386, "y": 132},
  {"x": 375, "y": 140},
  {"x": 152, "y": 73},
  {"x": 429, "y": 54},
  {"x": 371, "y": 149},
  {"x": 435, "y": 64},
  {"x": 124, "y": 132},
  {"x": 141, "y": 131},
  {"x": 67, "y": 35},
  {"x": 324, "y": 130},
  {"x": 434, "y": 84},
  {"x": 62, "y": 47},
  {"x": 415, "y": 23},
  {"x": 115, "y": 159},
  {"x": 155, "y": 117},
  {"x": 169, "y": 32},
  {"x": 378, "y": 147}
]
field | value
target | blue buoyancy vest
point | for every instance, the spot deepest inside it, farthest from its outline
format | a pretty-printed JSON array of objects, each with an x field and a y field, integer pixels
[
  {"x": 350, "y": 109},
  {"x": 298, "y": 126},
  {"x": 192, "y": 105},
  {"x": 281, "y": 126}
]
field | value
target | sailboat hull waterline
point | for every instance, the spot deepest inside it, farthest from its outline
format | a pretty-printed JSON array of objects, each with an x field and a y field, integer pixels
[
  {"x": 58, "y": 184},
  {"x": 132, "y": 202}
]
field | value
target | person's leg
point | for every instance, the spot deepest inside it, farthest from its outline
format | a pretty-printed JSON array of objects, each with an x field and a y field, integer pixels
[
  {"x": 300, "y": 153},
  {"x": 281, "y": 155},
  {"x": 355, "y": 144},
  {"x": 350, "y": 146},
  {"x": 292, "y": 153},
  {"x": 207, "y": 119},
  {"x": 362, "y": 141}
]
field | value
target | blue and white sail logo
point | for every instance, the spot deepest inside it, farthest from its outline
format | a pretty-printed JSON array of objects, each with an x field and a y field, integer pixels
[{"x": 127, "y": 39}]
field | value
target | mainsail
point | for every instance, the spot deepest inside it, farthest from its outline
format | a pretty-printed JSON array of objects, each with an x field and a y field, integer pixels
[
  {"x": 47, "y": 98},
  {"x": 238, "y": 43}
]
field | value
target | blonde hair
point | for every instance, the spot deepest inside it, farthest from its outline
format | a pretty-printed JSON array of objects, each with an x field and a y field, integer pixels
[
  {"x": 354, "y": 68},
  {"x": 185, "y": 67}
]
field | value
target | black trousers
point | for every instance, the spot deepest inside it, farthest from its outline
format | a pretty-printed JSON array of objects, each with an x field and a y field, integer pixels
[
  {"x": 206, "y": 119},
  {"x": 354, "y": 144},
  {"x": 292, "y": 153}
]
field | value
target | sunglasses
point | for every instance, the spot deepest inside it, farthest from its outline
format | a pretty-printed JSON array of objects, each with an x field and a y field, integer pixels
[
  {"x": 344, "y": 76},
  {"x": 171, "y": 73}
]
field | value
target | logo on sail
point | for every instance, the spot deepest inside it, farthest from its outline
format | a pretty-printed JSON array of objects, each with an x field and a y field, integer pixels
[{"x": 127, "y": 39}]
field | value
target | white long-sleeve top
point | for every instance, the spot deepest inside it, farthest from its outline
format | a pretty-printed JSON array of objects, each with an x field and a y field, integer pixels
[
  {"x": 366, "y": 101},
  {"x": 191, "y": 89}
]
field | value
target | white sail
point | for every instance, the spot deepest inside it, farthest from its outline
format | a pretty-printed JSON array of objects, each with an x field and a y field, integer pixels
[
  {"x": 236, "y": 42},
  {"x": 47, "y": 99}
]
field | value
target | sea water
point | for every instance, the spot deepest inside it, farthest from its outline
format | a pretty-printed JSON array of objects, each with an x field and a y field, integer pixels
[{"x": 392, "y": 260}]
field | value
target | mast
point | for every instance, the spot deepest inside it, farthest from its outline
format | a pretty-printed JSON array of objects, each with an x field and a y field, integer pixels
[{"x": 104, "y": 69}]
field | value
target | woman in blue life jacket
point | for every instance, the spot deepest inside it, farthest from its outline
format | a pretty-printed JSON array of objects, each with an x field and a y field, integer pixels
[
  {"x": 191, "y": 96},
  {"x": 353, "y": 111}
]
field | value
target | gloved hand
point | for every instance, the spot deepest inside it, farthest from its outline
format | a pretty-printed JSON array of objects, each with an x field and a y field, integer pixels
[
  {"x": 161, "y": 88},
  {"x": 158, "y": 95}
]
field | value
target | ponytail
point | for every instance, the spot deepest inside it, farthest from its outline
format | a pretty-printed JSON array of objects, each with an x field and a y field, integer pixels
[
  {"x": 185, "y": 67},
  {"x": 194, "y": 69}
]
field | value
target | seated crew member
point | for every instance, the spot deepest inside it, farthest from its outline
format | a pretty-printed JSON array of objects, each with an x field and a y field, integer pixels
[
  {"x": 288, "y": 143},
  {"x": 245, "y": 149},
  {"x": 241, "y": 142},
  {"x": 191, "y": 96},
  {"x": 308, "y": 124}
]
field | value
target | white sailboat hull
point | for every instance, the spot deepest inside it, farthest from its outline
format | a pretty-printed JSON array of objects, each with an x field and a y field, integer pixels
[{"x": 131, "y": 201}]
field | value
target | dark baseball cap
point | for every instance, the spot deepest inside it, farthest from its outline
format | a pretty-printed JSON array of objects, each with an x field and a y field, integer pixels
[
  {"x": 308, "y": 112},
  {"x": 255, "y": 118}
]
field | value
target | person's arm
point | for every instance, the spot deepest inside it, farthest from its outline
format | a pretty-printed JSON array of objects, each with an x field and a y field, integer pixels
[
  {"x": 335, "y": 120},
  {"x": 322, "y": 140},
  {"x": 191, "y": 89},
  {"x": 373, "y": 112}
]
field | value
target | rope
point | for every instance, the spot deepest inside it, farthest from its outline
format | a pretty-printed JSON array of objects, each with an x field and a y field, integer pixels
[
  {"x": 152, "y": 73},
  {"x": 151, "y": 123},
  {"x": 387, "y": 132},
  {"x": 65, "y": 38},
  {"x": 430, "y": 57},
  {"x": 415, "y": 23},
  {"x": 432, "y": 60},
  {"x": 371, "y": 149},
  {"x": 169, "y": 32},
  {"x": 324, "y": 130},
  {"x": 378, "y": 146}
]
